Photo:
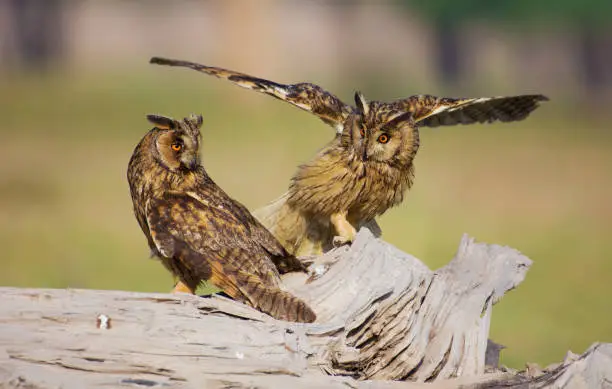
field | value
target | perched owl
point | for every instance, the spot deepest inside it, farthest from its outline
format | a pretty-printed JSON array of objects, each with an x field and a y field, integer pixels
[
  {"x": 368, "y": 166},
  {"x": 198, "y": 231}
]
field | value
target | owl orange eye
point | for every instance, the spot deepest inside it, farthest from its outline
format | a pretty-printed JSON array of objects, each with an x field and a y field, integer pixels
[
  {"x": 176, "y": 146},
  {"x": 384, "y": 138},
  {"x": 362, "y": 131}
]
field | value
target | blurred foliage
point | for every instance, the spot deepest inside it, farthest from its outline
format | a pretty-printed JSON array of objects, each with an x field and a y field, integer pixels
[
  {"x": 524, "y": 11},
  {"x": 542, "y": 186}
]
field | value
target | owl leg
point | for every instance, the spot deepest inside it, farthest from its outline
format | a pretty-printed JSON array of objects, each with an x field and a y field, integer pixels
[
  {"x": 186, "y": 281},
  {"x": 345, "y": 230},
  {"x": 180, "y": 287}
]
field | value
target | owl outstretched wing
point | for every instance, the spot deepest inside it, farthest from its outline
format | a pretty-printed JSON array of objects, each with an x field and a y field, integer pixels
[
  {"x": 213, "y": 243},
  {"x": 432, "y": 111},
  {"x": 309, "y": 97}
]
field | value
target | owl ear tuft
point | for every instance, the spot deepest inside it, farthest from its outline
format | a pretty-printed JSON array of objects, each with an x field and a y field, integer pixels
[
  {"x": 195, "y": 120},
  {"x": 362, "y": 104},
  {"x": 162, "y": 122}
]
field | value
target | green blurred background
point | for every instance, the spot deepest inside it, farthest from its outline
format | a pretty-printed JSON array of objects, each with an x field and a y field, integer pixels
[{"x": 75, "y": 87}]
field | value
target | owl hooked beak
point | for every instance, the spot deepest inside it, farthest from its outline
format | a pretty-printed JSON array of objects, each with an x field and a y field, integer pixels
[
  {"x": 194, "y": 163},
  {"x": 190, "y": 160}
]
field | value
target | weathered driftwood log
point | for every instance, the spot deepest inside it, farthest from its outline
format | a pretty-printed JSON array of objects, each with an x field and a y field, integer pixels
[
  {"x": 382, "y": 315},
  {"x": 393, "y": 318},
  {"x": 593, "y": 369}
]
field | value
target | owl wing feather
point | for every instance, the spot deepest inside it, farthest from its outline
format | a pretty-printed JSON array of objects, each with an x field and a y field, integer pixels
[
  {"x": 215, "y": 233},
  {"x": 432, "y": 111},
  {"x": 215, "y": 244},
  {"x": 283, "y": 261},
  {"x": 257, "y": 231},
  {"x": 309, "y": 97}
]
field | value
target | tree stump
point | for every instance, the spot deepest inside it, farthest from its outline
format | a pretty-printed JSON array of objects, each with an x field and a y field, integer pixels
[{"x": 384, "y": 320}]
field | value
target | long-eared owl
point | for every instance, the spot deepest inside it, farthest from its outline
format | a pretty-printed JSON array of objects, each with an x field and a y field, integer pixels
[
  {"x": 198, "y": 231},
  {"x": 368, "y": 166}
]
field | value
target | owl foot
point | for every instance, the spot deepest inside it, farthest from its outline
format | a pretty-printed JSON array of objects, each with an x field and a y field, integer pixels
[
  {"x": 319, "y": 267},
  {"x": 346, "y": 232},
  {"x": 289, "y": 264},
  {"x": 308, "y": 260},
  {"x": 340, "y": 241},
  {"x": 182, "y": 288}
]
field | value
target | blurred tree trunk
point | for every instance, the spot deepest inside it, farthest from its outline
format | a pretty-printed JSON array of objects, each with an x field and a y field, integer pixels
[
  {"x": 595, "y": 58},
  {"x": 248, "y": 42},
  {"x": 38, "y": 31},
  {"x": 448, "y": 48}
]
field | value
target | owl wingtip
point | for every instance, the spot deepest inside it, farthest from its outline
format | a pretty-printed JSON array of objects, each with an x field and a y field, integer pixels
[
  {"x": 161, "y": 61},
  {"x": 538, "y": 97}
]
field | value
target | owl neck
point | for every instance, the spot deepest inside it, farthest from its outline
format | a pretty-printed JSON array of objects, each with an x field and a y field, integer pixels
[
  {"x": 155, "y": 180},
  {"x": 177, "y": 181}
]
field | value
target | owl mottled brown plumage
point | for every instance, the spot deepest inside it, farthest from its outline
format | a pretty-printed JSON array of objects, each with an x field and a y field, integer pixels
[
  {"x": 368, "y": 166},
  {"x": 198, "y": 231}
]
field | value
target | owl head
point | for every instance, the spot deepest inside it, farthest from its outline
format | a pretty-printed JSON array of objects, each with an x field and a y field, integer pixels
[
  {"x": 376, "y": 134},
  {"x": 176, "y": 143}
]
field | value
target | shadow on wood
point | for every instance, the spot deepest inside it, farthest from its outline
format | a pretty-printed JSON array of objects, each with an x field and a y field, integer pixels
[{"x": 382, "y": 315}]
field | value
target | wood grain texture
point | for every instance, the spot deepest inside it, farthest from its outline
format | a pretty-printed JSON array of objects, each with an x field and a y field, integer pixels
[{"x": 382, "y": 315}]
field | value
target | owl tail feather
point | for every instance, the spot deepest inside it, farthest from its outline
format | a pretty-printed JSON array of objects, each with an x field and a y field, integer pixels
[
  {"x": 251, "y": 290},
  {"x": 272, "y": 300}
]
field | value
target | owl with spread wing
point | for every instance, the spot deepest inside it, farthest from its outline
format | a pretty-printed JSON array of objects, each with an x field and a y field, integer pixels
[
  {"x": 368, "y": 166},
  {"x": 198, "y": 231}
]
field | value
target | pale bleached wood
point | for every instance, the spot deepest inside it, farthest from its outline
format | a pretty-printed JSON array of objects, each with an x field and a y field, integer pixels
[
  {"x": 592, "y": 369},
  {"x": 396, "y": 319},
  {"x": 382, "y": 315}
]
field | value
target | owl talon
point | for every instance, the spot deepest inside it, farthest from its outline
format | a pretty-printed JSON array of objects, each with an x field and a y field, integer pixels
[
  {"x": 307, "y": 260},
  {"x": 340, "y": 241}
]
